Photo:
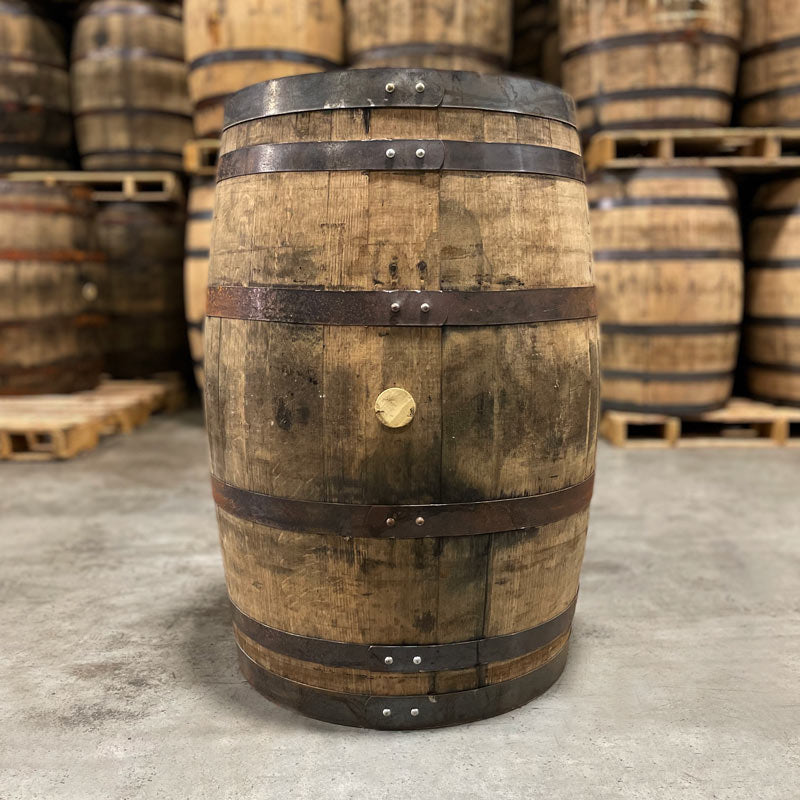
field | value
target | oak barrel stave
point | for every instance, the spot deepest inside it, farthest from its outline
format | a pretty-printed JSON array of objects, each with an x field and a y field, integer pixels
[
  {"x": 772, "y": 332},
  {"x": 670, "y": 283},
  {"x": 51, "y": 288},
  {"x": 484, "y": 423},
  {"x": 536, "y": 41},
  {"x": 129, "y": 91}
]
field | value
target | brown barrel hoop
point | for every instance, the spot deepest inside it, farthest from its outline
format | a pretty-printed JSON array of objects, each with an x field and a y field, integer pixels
[
  {"x": 607, "y": 203},
  {"x": 398, "y": 521},
  {"x": 671, "y": 329},
  {"x": 661, "y": 408},
  {"x": 773, "y": 94},
  {"x": 404, "y": 659},
  {"x": 793, "y": 369},
  {"x": 125, "y": 53},
  {"x": 662, "y": 92},
  {"x": 774, "y": 263},
  {"x": 665, "y": 377},
  {"x": 401, "y": 308},
  {"x": 668, "y": 255},
  {"x": 260, "y": 54},
  {"x": 681, "y": 36},
  {"x": 404, "y": 712},
  {"x": 442, "y": 49},
  {"x": 772, "y": 47}
]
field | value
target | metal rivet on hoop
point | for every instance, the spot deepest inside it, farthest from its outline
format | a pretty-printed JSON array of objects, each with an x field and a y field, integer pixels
[
  {"x": 388, "y": 661},
  {"x": 390, "y": 153},
  {"x": 395, "y": 307},
  {"x": 420, "y": 153},
  {"x": 420, "y": 521},
  {"x": 420, "y": 87},
  {"x": 390, "y": 523},
  {"x": 425, "y": 308},
  {"x": 414, "y": 712},
  {"x": 387, "y": 712},
  {"x": 417, "y": 660},
  {"x": 390, "y": 87}
]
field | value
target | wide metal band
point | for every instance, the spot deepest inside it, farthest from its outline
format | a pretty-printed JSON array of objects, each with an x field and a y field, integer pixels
[
  {"x": 681, "y": 36},
  {"x": 442, "y": 49},
  {"x": 402, "y": 521},
  {"x": 369, "y": 88},
  {"x": 132, "y": 151},
  {"x": 773, "y": 94},
  {"x": 786, "y": 322},
  {"x": 402, "y": 712},
  {"x": 793, "y": 369},
  {"x": 201, "y": 216},
  {"x": 689, "y": 329},
  {"x": 400, "y": 155},
  {"x": 775, "y": 263},
  {"x": 261, "y": 54},
  {"x": 772, "y": 47},
  {"x": 198, "y": 253},
  {"x": 672, "y": 410},
  {"x": 132, "y": 112},
  {"x": 781, "y": 211},
  {"x": 606, "y": 203},
  {"x": 400, "y": 308},
  {"x": 406, "y": 658},
  {"x": 668, "y": 255},
  {"x": 665, "y": 377},
  {"x": 663, "y": 92}
]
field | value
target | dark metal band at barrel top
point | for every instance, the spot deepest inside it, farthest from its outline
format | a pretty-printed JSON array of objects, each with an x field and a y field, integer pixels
[
  {"x": 399, "y": 88},
  {"x": 402, "y": 521},
  {"x": 775, "y": 263},
  {"x": 406, "y": 658},
  {"x": 399, "y": 155},
  {"x": 672, "y": 329},
  {"x": 682, "y": 36},
  {"x": 403, "y": 712},
  {"x": 442, "y": 49},
  {"x": 792, "y": 369},
  {"x": 261, "y": 54},
  {"x": 400, "y": 308},
  {"x": 663, "y": 92},
  {"x": 784, "y": 322}
]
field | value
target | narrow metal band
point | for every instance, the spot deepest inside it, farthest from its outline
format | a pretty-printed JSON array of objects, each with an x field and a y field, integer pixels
[
  {"x": 682, "y": 36},
  {"x": 665, "y": 377},
  {"x": 403, "y": 521},
  {"x": 773, "y": 94},
  {"x": 195, "y": 325},
  {"x": 405, "y": 712},
  {"x": 772, "y": 47},
  {"x": 785, "y": 322},
  {"x": 606, "y": 203},
  {"x": 437, "y": 156},
  {"x": 131, "y": 151},
  {"x": 793, "y": 369},
  {"x": 671, "y": 410},
  {"x": 68, "y": 256},
  {"x": 699, "y": 329},
  {"x": 198, "y": 254},
  {"x": 782, "y": 211},
  {"x": 662, "y": 92},
  {"x": 668, "y": 255},
  {"x": 443, "y": 49},
  {"x": 794, "y": 402},
  {"x": 401, "y": 658},
  {"x": 775, "y": 263},
  {"x": 132, "y": 112},
  {"x": 400, "y": 308},
  {"x": 198, "y": 216},
  {"x": 126, "y": 53},
  {"x": 369, "y": 88},
  {"x": 261, "y": 54}
]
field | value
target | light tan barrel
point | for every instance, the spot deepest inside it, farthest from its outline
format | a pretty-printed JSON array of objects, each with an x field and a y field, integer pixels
[
  {"x": 50, "y": 288},
  {"x": 773, "y": 294},
  {"x": 442, "y": 34},
  {"x": 401, "y": 390},
  {"x": 129, "y": 91},
  {"x": 144, "y": 244},
  {"x": 195, "y": 268},
  {"x": 536, "y": 46},
  {"x": 769, "y": 87},
  {"x": 35, "y": 123},
  {"x": 656, "y": 64},
  {"x": 668, "y": 260},
  {"x": 232, "y": 45}
]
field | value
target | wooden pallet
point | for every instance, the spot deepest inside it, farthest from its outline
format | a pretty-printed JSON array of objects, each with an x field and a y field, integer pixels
[
  {"x": 740, "y": 149},
  {"x": 742, "y": 423},
  {"x": 60, "y": 426},
  {"x": 200, "y": 157},
  {"x": 113, "y": 187}
]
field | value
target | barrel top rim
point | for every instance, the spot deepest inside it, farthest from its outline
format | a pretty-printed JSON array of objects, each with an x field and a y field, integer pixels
[{"x": 368, "y": 88}]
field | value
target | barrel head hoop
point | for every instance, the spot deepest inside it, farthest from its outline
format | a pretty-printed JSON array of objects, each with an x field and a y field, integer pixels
[
  {"x": 367, "y": 88},
  {"x": 403, "y": 521}
]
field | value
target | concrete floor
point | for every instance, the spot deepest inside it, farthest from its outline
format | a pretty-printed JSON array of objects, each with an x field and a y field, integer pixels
[{"x": 118, "y": 675}]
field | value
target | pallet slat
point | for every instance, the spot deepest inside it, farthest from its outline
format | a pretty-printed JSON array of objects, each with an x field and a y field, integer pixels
[
  {"x": 200, "y": 157},
  {"x": 742, "y": 423}
]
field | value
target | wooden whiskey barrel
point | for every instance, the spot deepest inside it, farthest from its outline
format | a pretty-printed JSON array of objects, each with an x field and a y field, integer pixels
[
  {"x": 769, "y": 87},
  {"x": 195, "y": 266},
  {"x": 233, "y": 45},
  {"x": 772, "y": 332},
  {"x": 442, "y": 34},
  {"x": 144, "y": 245},
  {"x": 129, "y": 92},
  {"x": 401, "y": 390},
  {"x": 35, "y": 123},
  {"x": 654, "y": 64},
  {"x": 669, "y": 275},
  {"x": 50, "y": 286},
  {"x": 536, "y": 50}
]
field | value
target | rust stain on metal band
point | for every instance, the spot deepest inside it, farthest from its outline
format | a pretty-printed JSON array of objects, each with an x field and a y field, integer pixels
[
  {"x": 400, "y": 308},
  {"x": 403, "y": 712},
  {"x": 406, "y": 658},
  {"x": 403, "y": 521}
]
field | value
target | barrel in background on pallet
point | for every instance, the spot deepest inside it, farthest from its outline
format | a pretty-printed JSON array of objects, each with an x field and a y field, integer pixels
[
  {"x": 769, "y": 86},
  {"x": 50, "y": 286},
  {"x": 232, "y": 45},
  {"x": 536, "y": 46},
  {"x": 418, "y": 331},
  {"x": 144, "y": 245},
  {"x": 772, "y": 331},
  {"x": 195, "y": 269},
  {"x": 129, "y": 91},
  {"x": 660, "y": 64},
  {"x": 35, "y": 123},
  {"x": 668, "y": 261},
  {"x": 441, "y": 34}
]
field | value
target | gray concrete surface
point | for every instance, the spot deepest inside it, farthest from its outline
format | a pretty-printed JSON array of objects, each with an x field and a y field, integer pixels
[{"x": 118, "y": 676}]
